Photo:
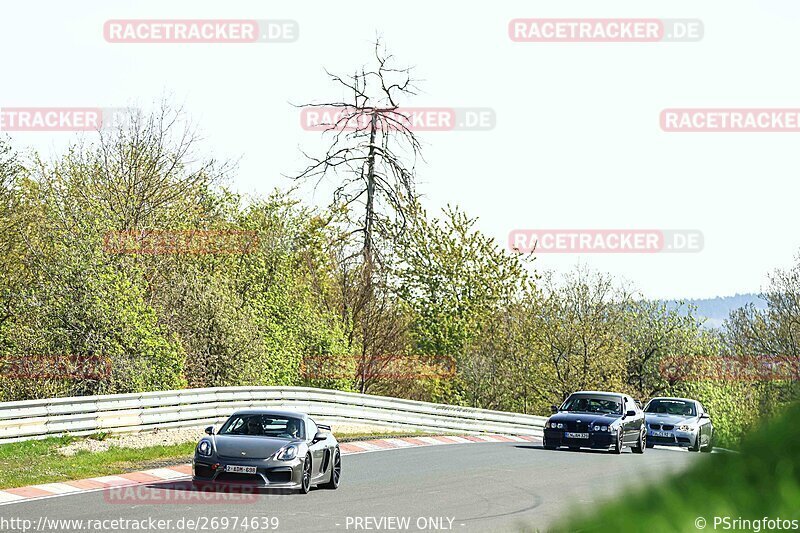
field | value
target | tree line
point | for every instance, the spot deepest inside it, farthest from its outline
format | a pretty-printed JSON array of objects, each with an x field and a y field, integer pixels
[{"x": 103, "y": 279}]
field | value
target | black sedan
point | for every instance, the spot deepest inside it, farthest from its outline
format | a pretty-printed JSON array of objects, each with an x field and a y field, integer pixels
[
  {"x": 269, "y": 449},
  {"x": 600, "y": 420}
]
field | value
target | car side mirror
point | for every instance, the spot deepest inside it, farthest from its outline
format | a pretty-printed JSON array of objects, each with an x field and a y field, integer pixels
[
  {"x": 704, "y": 415},
  {"x": 630, "y": 413},
  {"x": 319, "y": 437},
  {"x": 553, "y": 408},
  {"x": 210, "y": 430}
]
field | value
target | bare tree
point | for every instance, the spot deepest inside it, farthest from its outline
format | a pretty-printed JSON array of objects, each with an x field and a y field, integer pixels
[
  {"x": 373, "y": 150},
  {"x": 372, "y": 157}
]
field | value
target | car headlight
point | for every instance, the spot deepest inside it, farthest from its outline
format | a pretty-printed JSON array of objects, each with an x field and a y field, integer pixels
[
  {"x": 287, "y": 453},
  {"x": 204, "y": 448},
  {"x": 600, "y": 428},
  {"x": 685, "y": 428},
  {"x": 555, "y": 425}
]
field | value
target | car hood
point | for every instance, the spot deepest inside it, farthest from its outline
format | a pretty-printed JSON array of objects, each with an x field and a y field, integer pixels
[
  {"x": 249, "y": 446},
  {"x": 587, "y": 418},
  {"x": 662, "y": 418}
]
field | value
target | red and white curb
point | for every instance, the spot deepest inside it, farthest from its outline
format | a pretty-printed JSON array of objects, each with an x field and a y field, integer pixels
[{"x": 184, "y": 472}]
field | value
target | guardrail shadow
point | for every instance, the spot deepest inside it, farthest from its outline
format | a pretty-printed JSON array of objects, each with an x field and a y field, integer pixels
[{"x": 540, "y": 448}]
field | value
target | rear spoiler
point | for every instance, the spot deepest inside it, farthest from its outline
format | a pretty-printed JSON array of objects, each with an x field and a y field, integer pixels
[{"x": 321, "y": 426}]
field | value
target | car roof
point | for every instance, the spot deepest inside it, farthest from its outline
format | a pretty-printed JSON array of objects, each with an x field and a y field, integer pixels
[
  {"x": 600, "y": 392},
  {"x": 276, "y": 412}
]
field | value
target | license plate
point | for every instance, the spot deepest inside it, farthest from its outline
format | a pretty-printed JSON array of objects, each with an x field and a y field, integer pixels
[
  {"x": 236, "y": 469},
  {"x": 662, "y": 434},
  {"x": 569, "y": 435}
]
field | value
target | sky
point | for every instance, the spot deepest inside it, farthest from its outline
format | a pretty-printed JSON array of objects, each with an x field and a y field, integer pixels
[{"x": 577, "y": 142}]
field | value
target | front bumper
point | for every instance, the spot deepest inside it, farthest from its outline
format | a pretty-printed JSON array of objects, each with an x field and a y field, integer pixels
[
  {"x": 599, "y": 440},
  {"x": 269, "y": 473},
  {"x": 684, "y": 439}
]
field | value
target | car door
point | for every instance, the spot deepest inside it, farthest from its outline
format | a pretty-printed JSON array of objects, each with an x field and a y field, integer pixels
[
  {"x": 319, "y": 459},
  {"x": 630, "y": 424},
  {"x": 704, "y": 433}
]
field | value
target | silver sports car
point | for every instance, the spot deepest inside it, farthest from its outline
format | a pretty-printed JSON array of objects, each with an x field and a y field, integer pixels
[
  {"x": 269, "y": 449},
  {"x": 678, "y": 422}
]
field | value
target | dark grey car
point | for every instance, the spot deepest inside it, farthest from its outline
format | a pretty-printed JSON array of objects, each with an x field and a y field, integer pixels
[
  {"x": 269, "y": 449},
  {"x": 679, "y": 422}
]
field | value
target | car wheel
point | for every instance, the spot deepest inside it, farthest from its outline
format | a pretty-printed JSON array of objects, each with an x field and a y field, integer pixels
[
  {"x": 618, "y": 445},
  {"x": 305, "y": 482},
  {"x": 696, "y": 446},
  {"x": 336, "y": 471},
  {"x": 547, "y": 446},
  {"x": 642, "y": 442}
]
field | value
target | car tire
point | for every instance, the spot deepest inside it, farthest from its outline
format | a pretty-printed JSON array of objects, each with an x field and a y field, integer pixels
[
  {"x": 709, "y": 447},
  {"x": 618, "y": 445},
  {"x": 547, "y": 446},
  {"x": 696, "y": 446},
  {"x": 305, "y": 481},
  {"x": 336, "y": 471},
  {"x": 641, "y": 444}
]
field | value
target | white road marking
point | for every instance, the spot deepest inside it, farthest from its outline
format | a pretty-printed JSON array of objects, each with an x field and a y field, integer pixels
[
  {"x": 57, "y": 488},
  {"x": 399, "y": 443},
  {"x": 8, "y": 497},
  {"x": 366, "y": 446},
  {"x": 112, "y": 480},
  {"x": 460, "y": 440},
  {"x": 165, "y": 473},
  {"x": 430, "y": 440}
]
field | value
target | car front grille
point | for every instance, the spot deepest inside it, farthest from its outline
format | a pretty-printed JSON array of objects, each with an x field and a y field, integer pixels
[
  {"x": 665, "y": 427},
  {"x": 578, "y": 428},
  {"x": 279, "y": 476},
  {"x": 202, "y": 470}
]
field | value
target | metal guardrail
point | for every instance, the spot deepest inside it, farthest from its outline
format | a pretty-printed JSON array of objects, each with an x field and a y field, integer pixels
[{"x": 118, "y": 413}]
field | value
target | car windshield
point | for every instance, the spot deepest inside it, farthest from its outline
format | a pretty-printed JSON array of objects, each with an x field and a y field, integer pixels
[
  {"x": 671, "y": 407},
  {"x": 264, "y": 426},
  {"x": 593, "y": 404}
]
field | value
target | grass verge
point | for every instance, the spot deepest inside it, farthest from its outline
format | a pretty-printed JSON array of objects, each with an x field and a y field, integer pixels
[
  {"x": 39, "y": 461},
  {"x": 761, "y": 481}
]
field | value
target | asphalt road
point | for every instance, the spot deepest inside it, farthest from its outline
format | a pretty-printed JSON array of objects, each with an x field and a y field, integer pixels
[{"x": 464, "y": 488}]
